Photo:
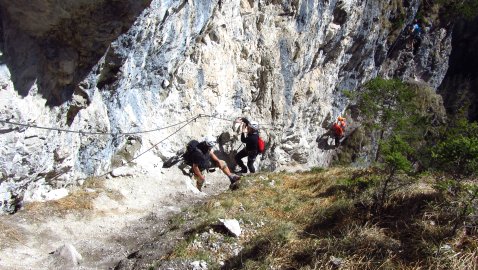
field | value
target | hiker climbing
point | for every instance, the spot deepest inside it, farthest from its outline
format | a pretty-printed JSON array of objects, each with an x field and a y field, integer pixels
[
  {"x": 341, "y": 122},
  {"x": 249, "y": 136},
  {"x": 415, "y": 37},
  {"x": 200, "y": 156},
  {"x": 336, "y": 131},
  {"x": 339, "y": 130},
  {"x": 416, "y": 29}
]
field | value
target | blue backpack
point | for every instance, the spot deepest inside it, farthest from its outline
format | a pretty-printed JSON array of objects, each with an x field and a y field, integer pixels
[{"x": 416, "y": 30}]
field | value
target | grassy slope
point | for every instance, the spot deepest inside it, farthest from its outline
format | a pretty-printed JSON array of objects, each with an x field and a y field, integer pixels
[{"x": 322, "y": 220}]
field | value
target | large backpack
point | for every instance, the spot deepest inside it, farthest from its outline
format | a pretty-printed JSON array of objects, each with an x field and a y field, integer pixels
[
  {"x": 261, "y": 146},
  {"x": 191, "y": 147},
  {"x": 337, "y": 129}
]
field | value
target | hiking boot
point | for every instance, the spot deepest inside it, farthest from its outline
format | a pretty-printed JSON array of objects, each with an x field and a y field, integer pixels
[
  {"x": 234, "y": 185},
  {"x": 199, "y": 184},
  {"x": 235, "y": 178}
]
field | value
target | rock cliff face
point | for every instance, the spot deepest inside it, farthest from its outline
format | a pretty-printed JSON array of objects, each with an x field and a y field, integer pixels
[
  {"x": 460, "y": 85},
  {"x": 112, "y": 70}
]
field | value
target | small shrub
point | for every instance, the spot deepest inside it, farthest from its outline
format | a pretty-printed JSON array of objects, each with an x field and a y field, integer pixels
[
  {"x": 457, "y": 151},
  {"x": 317, "y": 170},
  {"x": 176, "y": 221}
]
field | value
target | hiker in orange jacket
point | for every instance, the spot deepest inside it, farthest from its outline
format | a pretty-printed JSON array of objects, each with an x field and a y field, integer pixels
[
  {"x": 339, "y": 130},
  {"x": 341, "y": 122},
  {"x": 336, "y": 131}
]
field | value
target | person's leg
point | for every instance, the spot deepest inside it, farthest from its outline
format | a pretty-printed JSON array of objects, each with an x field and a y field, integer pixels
[
  {"x": 337, "y": 140},
  {"x": 198, "y": 172},
  {"x": 251, "y": 158},
  {"x": 410, "y": 42},
  {"x": 239, "y": 156},
  {"x": 223, "y": 166}
]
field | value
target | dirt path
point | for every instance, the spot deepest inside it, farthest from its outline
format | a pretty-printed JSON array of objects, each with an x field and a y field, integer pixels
[{"x": 126, "y": 212}]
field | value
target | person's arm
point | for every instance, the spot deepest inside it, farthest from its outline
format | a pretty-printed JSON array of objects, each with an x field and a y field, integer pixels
[
  {"x": 197, "y": 172},
  {"x": 245, "y": 120}
]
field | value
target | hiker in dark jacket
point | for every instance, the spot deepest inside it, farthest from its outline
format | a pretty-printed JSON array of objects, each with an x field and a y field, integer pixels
[
  {"x": 251, "y": 149},
  {"x": 415, "y": 36},
  {"x": 202, "y": 158}
]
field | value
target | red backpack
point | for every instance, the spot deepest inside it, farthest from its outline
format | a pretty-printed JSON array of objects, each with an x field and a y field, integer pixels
[
  {"x": 261, "y": 145},
  {"x": 337, "y": 129}
]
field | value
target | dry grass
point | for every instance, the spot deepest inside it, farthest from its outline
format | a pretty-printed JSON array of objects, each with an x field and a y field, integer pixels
[
  {"x": 455, "y": 260},
  {"x": 10, "y": 234},
  {"x": 315, "y": 220},
  {"x": 80, "y": 200},
  {"x": 277, "y": 208}
]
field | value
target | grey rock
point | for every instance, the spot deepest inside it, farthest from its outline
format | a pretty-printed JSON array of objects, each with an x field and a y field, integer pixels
[
  {"x": 336, "y": 261},
  {"x": 122, "y": 171},
  {"x": 118, "y": 81},
  {"x": 199, "y": 265},
  {"x": 232, "y": 225},
  {"x": 67, "y": 255}
]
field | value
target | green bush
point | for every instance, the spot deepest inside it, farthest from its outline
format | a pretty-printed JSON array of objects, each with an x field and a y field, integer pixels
[
  {"x": 457, "y": 152},
  {"x": 452, "y": 9},
  {"x": 399, "y": 117}
]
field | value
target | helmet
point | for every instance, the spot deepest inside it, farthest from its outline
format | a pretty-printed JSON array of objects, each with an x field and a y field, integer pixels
[
  {"x": 210, "y": 141},
  {"x": 340, "y": 118},
  {"x": 254, "y": 125}
]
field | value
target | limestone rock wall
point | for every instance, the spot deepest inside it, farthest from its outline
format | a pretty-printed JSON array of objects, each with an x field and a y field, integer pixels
[{"x": 127, "y": 69}]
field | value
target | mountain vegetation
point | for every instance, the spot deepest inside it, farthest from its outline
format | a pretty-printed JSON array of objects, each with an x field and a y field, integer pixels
[
  {"x": 91, "y": 85},
  {"x": 414, "y": 206}
]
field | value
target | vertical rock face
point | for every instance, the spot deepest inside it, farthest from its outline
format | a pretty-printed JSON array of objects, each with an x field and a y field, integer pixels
[
  {"x": 54, "y": 44},
  {"x": 112, "y": 70},
  {"x": 460, "y": 85}
]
